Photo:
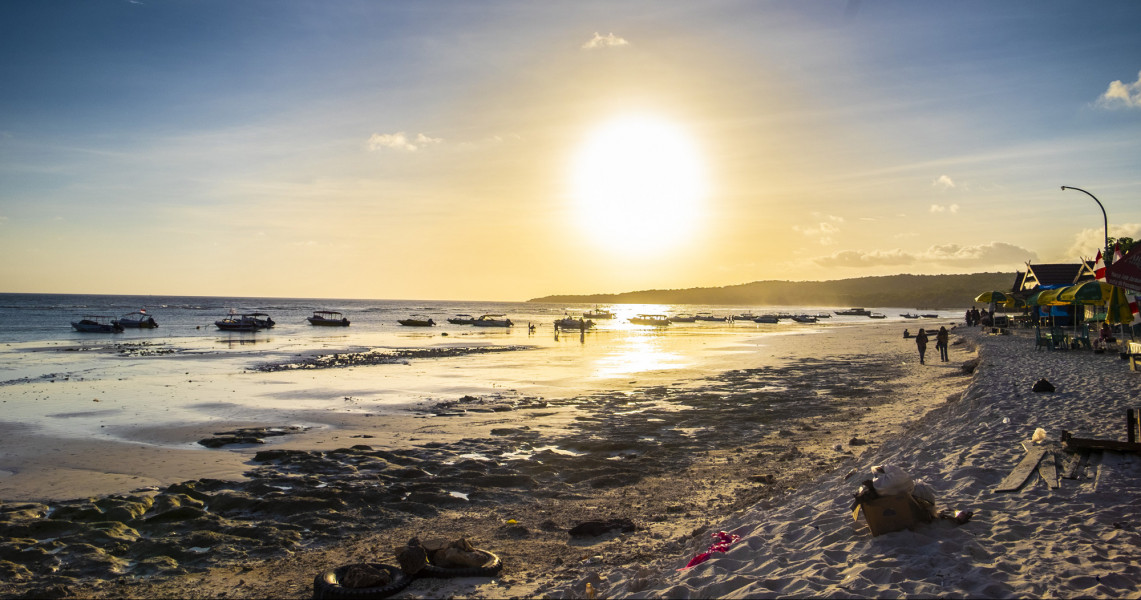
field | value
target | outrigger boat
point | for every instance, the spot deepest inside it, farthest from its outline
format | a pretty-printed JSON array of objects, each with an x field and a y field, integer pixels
[
  {"x": 804, "y": 318},
  {"x": 770, "y": 319},
  {"x": 417, "y": 321},
  {"x": 462, "y": 320},
  {"x": 708, "y": 316},
  {"x": 137, "y": 320},
  {"x": 683, "y": 319},
  {"x": 328, "y": 318},
  {"x": 854, "y": 312},
  {"x": 909, "y": 315},
  {"x": 97, "y": 324}
]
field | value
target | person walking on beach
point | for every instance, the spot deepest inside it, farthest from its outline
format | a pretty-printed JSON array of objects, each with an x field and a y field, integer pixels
[
  {"x": 921, "y": 343},
  {"x": 941, "y": 339}
]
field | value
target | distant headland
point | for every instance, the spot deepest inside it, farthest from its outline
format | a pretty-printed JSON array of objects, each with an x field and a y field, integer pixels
[{"x": 919, "y": 291}]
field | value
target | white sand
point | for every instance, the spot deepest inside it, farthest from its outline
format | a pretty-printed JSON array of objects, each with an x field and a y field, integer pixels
[{"x": 1080, "y": 540}]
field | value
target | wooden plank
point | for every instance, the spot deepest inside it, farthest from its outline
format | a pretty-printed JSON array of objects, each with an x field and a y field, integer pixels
[
  {"x": 1048, "y": 469},
  {"x": 1021, "y": 472},
  {"x": 1130, "y": 425},
  {"x": 1075, "y": 465},
  {"x": 1092, "y": 444}
]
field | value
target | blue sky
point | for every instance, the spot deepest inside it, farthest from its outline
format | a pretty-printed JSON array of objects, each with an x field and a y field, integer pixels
[{"x": 427, "y": 149}]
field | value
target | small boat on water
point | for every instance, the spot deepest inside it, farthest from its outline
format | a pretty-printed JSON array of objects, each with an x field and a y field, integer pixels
[
  {"x": 136, "y": 320},
  {"x": 417, "y": 321},
  {"x": 598, "y": 313},
  {"x": 492, "y": 321},
  {"x": 244, "y": 322},
  {"x": 745, "y": 317},
  {"x": 930, "y": 316},
  {"x": 804, "y": 318},
  {"x": 770, "y": 319},
  {"x": 652, "y": 320},
  {"x": 708, "y": 316},
  {"x": 97, "y": 324},
  {"x": 876, "y": 315},
  {"x": 462, "y": 319},
  {"x": 574, "y": 324},
  {"x": 854, "y": 312},
  {"x": 909, "y": 315},
  {"x": 683, "y": 319},
  {"x": 328, "y": 318}
]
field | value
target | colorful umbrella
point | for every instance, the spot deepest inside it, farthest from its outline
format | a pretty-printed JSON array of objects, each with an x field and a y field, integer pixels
[
  {"x": 1087, "y": 292},
  {"x": 993, "y": 297},
  {"x": 1048, "y": 298}
]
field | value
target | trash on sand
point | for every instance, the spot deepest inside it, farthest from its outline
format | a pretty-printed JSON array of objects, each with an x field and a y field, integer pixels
[
  {"x": 1043, "y": 386},
  {"x": 724, "y": 540},
  {"x": 889, "y": 479},
  {"x": 1039, "y": 436}
]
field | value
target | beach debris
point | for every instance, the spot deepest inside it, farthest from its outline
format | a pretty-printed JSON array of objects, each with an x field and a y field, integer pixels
[
  {"x": 721, "y": 543},
  {"x": 889, "y": 479},
  {"x": 359, "y": 581},
  {"x": 892, "y": 501},
  {"x": 1043, "y": 386},
  {"x": 1048, "y": 470},
  {"x": 1070, "y": 442},
  {"x": 248, "y": 435},
  {"x": 1022, "y": 471},
  {"x": 597, "y": 528},
  {"x": 1039, "y": 436},
  {"x": 412, "y": 557},
  {"x": 365, "y": 575}
]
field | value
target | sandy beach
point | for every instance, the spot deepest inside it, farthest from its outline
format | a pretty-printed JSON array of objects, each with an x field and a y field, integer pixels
[{"x": 772, "y": 454}]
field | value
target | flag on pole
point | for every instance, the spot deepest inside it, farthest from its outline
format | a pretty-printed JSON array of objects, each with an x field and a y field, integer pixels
[
  {"x": 1117, "y": 255},
  {"x": 1134, "y": 306},
  {"x": 1099, "y": 267}
]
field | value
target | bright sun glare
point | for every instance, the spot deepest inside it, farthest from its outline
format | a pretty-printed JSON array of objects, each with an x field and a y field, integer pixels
[{"x": 638, "y": 184}]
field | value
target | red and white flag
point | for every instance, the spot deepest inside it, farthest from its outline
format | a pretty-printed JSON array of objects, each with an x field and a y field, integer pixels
[
  {"x": 1117, "y": 255},
  {"x": 1099, "y": 267},
  {"x": 1134, "y": 306}
]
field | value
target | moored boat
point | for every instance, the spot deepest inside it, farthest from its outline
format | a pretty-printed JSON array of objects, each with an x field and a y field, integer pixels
[
  {"x": 328, "y": 318},
  {"x": 417, "y": 321},
  {"x": 244, "y": 321},
  {"x": 97, "y": 324},
  {"x": 909, "y": 315},
  {"x": 574, "y": 324},
  {"x": 877, "y": 315},
  {"x": 462, "y": 319},
  {"x": 708, "y": 316},
  {"x": 652, "y": 320},
  {"x": 490, "y": 320},
  {"x": 770, "y": 319},
  {"x": 598, "y": 313},
  {"x": 804, "y": 318},
  {"x": 683, "y": 319},
  {"x": 136, "y": 320},
  {"x": 854, "y": 312}
]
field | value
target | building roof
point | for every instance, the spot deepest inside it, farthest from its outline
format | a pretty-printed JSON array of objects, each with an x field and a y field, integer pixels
[{"x": 1056, "y": 274}]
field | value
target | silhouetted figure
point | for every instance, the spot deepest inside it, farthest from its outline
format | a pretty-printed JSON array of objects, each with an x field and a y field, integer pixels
[{"x": 921, "y": 344}]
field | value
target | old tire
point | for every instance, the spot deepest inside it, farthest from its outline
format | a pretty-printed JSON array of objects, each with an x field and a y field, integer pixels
[
  {"x": 327, "y": 585},
  {"x": 490, "y": 568}
]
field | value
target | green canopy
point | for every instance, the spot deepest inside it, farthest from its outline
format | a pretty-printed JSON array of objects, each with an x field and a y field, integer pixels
[
  {"x": 994, "y": 297},
  {"x": 1047, "y": 298}
]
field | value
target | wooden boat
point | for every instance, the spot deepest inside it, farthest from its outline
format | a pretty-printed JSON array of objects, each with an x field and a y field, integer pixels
[
  {"x": 745, "y": 317},
  {"x": 598, "y": 313},
  {"x": 462, "y": 319},
  {"x": 492, "y": 321},
  {"x": 854, "y": 312},
  {"x": 652, "y": 320},
  {"x": 683, "y": 319},
  {"x": 770, "y": 319},
  {"x": 930, "y": 316},
  {"x": 804, "y": 318},
  {"x": 328, "y": 318},
  {"x": 877, "y": 316},
  {"x": 708, "y": 316},
  {"x": 97, "y": 324},
  {"x": 574, "y": 324},
  {"x": 417, "y": 321},
  {"x": 136, "y": 320},
  {"x": 909, "y": 315}
]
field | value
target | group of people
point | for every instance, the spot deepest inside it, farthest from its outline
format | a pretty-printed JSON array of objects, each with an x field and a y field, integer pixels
[
  {"x": 941, "y": 343},
  {"x": 975, "y": 316}
]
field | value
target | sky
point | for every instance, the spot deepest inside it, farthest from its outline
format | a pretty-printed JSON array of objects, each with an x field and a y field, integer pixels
[{"x": 505, "y": 150}]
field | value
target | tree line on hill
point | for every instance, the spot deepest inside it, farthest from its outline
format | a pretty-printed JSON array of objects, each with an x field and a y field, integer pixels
[{"x": 918, "y": 291}]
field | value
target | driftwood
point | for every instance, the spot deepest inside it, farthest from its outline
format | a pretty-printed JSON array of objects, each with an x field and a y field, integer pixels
[{"x": 1022, "y": 471}]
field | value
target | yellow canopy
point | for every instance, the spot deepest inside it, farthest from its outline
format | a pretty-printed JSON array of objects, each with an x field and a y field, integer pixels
[
  {"x": 1087, "y": 292},
  {"x": 1049, "y": 298}
]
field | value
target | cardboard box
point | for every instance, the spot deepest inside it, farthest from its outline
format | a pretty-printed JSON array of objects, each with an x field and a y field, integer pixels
[{"x": 891, "y": 513}]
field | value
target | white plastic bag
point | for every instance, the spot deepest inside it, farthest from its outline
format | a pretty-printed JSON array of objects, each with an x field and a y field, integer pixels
[
  {"x": 890, "y": 479},
  {"x": 1039, "y": 436}
]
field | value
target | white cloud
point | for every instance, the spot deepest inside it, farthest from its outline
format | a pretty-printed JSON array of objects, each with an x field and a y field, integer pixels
[
  {"x": 604, "y": 41},
  {"x": 400, "y": 141},
  {"x": 823, "y": 230},
  {"x": 1122, "y": 95},
  {"x": 939, "y": 208},
  {"x": 944, "y": 182},
  {"x": 982, "y": 257},
  {"x": 1088, "y": 241}
]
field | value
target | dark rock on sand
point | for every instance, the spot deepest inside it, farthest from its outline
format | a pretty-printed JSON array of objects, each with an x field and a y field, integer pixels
[{"x": 597, "y": 528}]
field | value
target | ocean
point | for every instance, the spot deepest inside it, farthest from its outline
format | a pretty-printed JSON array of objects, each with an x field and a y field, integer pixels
[{"x": 55, "y": 381}]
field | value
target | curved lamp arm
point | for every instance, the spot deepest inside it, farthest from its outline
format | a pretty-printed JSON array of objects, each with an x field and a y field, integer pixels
[{"x": 1104, "y": 218}]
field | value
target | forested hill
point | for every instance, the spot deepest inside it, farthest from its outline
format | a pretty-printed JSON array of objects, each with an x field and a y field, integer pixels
[{"x": 918, "y": 291}]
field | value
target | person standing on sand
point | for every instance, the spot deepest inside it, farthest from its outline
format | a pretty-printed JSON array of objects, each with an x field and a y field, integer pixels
[
  {"x": 921, "y": 343},
  {"x": 941, "y": 339}
]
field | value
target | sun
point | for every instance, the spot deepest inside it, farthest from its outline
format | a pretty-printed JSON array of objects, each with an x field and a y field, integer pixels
[{"x": 638, "y": 184}]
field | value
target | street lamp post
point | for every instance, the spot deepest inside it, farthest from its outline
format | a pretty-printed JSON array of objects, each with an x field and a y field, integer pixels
[{"x": 1105, "y": 220}]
